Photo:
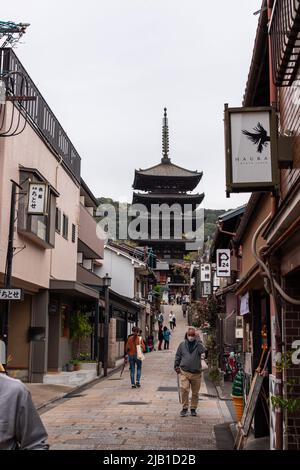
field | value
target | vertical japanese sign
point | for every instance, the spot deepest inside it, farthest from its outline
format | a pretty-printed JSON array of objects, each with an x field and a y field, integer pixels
[
  {"x": 205, "y": 272},
  {"x": 37, "y": 198},
  {"x": 223, "y": 263}
]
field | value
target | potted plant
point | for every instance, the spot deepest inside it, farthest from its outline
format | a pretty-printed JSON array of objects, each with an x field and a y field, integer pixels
[
  {"x": 237, "y": 395},
  {"x": 76, "y": 364},
  {"x": 70, "y": 366}
]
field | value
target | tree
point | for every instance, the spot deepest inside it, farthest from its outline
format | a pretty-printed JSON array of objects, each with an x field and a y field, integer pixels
[{"x": 80, "y": 328}]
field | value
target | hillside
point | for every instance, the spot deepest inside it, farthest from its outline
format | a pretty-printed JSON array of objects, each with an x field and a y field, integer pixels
[{"x": 211, "y": 216}]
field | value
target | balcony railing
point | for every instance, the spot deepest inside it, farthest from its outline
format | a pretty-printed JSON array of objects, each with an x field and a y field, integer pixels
[
  {"x": 88, "y": 241},
  {"x": 284, "y": 29},
  {"x": 39, "y": 113}
]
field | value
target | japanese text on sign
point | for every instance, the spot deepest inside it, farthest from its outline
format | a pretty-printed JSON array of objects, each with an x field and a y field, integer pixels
[
  {"x": 223, "y": 263},
  {"x": 37, "y": 196},
  {"x": 10, "y": 294}
]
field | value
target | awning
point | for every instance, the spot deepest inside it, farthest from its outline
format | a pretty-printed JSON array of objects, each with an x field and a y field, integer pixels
[{"x": 73, "y": 288}]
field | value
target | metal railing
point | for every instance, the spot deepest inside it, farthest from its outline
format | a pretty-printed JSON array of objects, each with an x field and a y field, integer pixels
[
  {"x": 284, "y": 29},
  {"x": 39, "y": 113}
]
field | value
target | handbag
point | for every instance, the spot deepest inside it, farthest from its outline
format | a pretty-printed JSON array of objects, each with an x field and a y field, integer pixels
[{"x": 139, "y": 351}]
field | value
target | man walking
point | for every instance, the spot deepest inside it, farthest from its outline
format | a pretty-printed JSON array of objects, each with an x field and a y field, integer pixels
[
  {"x": 188, "y": 365},
  {"x": 131, "y": 349},
  {"x": 20, "y": 424}
]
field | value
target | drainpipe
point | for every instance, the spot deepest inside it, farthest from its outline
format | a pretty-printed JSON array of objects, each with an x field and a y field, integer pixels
[{"x": 274, "y": 308}]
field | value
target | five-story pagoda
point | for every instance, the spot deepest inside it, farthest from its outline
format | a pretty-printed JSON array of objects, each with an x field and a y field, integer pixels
[{"x": 166, "y": 186}]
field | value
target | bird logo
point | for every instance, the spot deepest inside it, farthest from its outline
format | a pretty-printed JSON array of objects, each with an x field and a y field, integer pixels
[{"x": 259, "y": 137}]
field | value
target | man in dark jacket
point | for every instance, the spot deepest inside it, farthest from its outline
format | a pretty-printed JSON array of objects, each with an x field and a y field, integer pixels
[
  {"x": 188, "y": 365},
  {"x": 20, "y": 424}
]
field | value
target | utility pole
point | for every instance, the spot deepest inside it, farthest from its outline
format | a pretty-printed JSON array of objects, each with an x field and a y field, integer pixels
[
  {"x": 9, "y": 260},
  {"x": 106, "y": 285}
]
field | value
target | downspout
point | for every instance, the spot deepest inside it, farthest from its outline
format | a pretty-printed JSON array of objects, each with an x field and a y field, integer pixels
[
  {"x": 56, "y": 179},
  {"x": 275, "y": 309}
]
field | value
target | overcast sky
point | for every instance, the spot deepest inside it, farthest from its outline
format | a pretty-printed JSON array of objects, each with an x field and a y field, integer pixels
[{"x": 108, "y": 68}]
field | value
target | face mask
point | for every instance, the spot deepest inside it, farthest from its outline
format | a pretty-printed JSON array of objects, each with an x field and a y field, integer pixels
[{"x": 191, "y": 338}]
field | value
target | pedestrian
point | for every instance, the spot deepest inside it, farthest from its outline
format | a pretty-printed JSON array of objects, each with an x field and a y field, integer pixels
[
  {"x": 131, "y": 349},
  {"x": 184, "y": 309},
  {"x": 3, "y": 352},
  {"x": 20, "y": 424},
  {"x": 166, "y": 335},
  {"x": 160, "y": 338},
  {"x": 188, "y": 365},
  {"x": 174, "y": 320},
  {"x": 160, "y": 319},
  {"x": 150, "y": 343},
  {"x": 171, "y": 320}
]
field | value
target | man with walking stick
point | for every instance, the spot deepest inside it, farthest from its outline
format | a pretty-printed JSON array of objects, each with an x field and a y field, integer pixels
[{"x": 188, "y": 365}]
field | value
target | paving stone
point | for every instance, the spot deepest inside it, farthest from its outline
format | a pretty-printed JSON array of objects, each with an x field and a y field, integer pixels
[{"x": 98, "y": 420}]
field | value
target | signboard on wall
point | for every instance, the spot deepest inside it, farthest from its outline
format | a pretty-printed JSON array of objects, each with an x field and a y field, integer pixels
[
  {"x": 244, "y": 308},
  {"x": 206, "y": 289},
  {"x": 205, "y": 272},
  {"x": 251, "y": 149},
  {"x": 223, "y": 263},
  {"x": 37, "y": 198}
]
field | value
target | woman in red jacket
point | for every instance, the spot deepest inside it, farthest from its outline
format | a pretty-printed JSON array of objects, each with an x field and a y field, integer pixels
[{"x": 132, "y": 342}]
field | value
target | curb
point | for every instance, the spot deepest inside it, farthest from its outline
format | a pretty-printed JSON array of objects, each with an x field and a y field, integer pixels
[
  {"x": 79, "y": 388},
  {"x": 220, "y": 394}
]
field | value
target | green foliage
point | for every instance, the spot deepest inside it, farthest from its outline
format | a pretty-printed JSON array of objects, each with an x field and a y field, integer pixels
[
  {"x": 80, "y": 326},
  {"x": 290, "y": 404},
  {"x": 75, "y": 362},
  {"x": 214, "y": 375}
]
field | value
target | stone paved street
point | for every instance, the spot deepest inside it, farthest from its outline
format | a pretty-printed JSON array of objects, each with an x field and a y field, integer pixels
[{"x": 111, "y": 415}]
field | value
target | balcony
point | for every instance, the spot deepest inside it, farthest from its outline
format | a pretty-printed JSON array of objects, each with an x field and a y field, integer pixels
[
  {"x": 88, "y": 242},
  {"x": 85, "y": 276},
  {"x": 284, "y": 29},
  {"x": 39, "y": 114}
]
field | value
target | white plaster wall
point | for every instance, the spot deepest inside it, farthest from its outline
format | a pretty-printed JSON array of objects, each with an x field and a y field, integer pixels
[
  {"x": 35, "y": 264},
  {"x": 121, "y": 271}
]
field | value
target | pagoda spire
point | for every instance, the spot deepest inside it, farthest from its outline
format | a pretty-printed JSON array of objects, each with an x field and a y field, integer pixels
[{"x": 165, "y": 139}]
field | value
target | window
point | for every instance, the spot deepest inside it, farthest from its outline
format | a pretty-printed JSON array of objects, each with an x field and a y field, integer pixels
[
  {"x": 73, "y": 233},
  {"x": 39, "y": 228},
  {"x": 65, "y": 226},
  {"x": 121, "y": 329},
  {"x": 58, "y": 220}
]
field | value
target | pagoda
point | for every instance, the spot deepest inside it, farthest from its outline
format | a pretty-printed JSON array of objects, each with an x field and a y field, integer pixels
[{"x": 166, "y": 183}]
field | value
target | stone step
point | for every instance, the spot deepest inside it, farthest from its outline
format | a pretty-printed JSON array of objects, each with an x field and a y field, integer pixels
[{"x": 70, "y": 378}]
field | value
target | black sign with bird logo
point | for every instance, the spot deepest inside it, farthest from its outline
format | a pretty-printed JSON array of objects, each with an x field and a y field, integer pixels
[{"x": 259, "y": 137}]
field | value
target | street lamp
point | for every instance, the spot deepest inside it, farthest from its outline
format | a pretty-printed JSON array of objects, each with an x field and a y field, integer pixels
[{"x": 106, "y": 283}]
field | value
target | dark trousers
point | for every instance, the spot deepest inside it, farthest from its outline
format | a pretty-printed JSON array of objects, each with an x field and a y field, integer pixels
[
  {"x": 133, "y": 360},
  {"x": 167, "y": 344}
]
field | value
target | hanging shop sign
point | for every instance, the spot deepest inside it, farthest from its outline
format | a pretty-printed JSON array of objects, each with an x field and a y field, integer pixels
[
  {"x": 244, "y": 308},
  {"x": 205, "y": 270},
  {"x": 223, "y": 263},
  {"x": 206, "y": 289},
  {"x": 239, "y": 327},
  {"x": 251, "y": 149},
  {"x": 37, "y": 198}
]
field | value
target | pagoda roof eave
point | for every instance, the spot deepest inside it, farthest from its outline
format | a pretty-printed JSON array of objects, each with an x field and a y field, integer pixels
[{"x": 174, "y": 197}]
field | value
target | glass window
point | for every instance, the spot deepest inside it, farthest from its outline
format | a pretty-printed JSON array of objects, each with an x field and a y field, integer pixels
[{"x": 65, "y": 226}]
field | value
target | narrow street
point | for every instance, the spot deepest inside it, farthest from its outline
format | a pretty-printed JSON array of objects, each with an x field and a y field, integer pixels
[{"x": 111, "y": 415}]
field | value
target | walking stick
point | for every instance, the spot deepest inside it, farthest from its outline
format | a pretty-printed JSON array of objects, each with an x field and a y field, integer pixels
[
  {"x": 178, "y": 388},
  {"x": 124, "y": 364}
]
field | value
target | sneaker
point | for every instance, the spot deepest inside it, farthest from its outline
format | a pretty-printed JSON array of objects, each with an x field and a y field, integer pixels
[
  {"x": 184, "y": 412},
  {"x": 193, "y": 412},
  {"x": 133, "y": 386},
  {"x": 138, "y": 384}
]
